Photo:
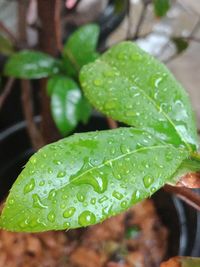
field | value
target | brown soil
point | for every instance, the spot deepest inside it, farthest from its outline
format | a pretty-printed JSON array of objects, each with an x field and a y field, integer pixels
[{"x": 133, "y": 239}]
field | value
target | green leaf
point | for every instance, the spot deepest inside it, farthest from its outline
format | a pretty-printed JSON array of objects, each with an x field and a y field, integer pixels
[
  {"x": 29, "y": 64},
  {"x": 88, "y": 177},
  {"x": 84, "y": 110},
  {"x": 161, "y": 7},
  {"x": 180, "y": 43},
  {"x": 51, "y": 83},
  {"x": 131, "y": 86},
  {"x": 6, "y": 47},
  {"x": 80, "y": 48},
  {"x": 65, "y": 103}
]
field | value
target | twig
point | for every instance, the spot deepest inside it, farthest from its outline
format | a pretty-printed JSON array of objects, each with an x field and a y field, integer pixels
[
  {"x": 6, "y": 91},
  {"x": 8, "y": 32},
  {"x": 190, "y": 180},
  {"x": 35, "y": 136},
  {"x": 128, "y": 34},
  {"x": 111, "y": 123},
  {"x": 140, "y": 21},
  {"x": 185, "y": 194},
  {"x": 57, "y": 19}
]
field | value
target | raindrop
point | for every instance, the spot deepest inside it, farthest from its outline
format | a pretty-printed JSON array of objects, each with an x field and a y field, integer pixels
[
  {"x": 50, "y": 170},
  {"x": 41, "y": 183},
  {"x": 30, "y": 186},
  {"x": 96, "y": 180},
  {"x": 33, "y": 160},
  {"x": 97, "y": 82},
  {"x": 112, "y": 150},
  {"x": 103, "y": 199},
  {"x": 135, "y": 196},
  {"x": 124, "y": 204},
  {"x": 11, "y": 201},
  {"x": 61, "y": 174},
  {"x": 117, "y": 195},
  {"x": 124, "y": 149},
  {"x": 52, "y": 194},
  {"x": 86, "y": 218},
  {"x": 80, "y": 197},
  {"x": 147, "y": 180},
  {"x": 69, "y": 212},
  {"x": 93, "y": 201},
  {"x": 57, "y": 162},
  {"x": 51, "y": 216}
]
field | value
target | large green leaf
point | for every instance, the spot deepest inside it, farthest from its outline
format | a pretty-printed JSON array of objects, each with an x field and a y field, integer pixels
[
  {"x": 131, "y": 86},
  {"x": 68, "y": 106},
  {"x": 80, "y": 48},
  {"x": 86, "y": 178},
  {"x": 29, "y": 64},
  {"x": 161, "y": 7}
]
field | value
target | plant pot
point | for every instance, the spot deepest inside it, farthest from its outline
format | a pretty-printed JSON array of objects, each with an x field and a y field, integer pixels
[{"x": 181, "y": 220}]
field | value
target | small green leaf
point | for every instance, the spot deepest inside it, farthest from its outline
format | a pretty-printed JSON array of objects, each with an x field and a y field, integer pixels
[
  {"x": 65, "y": 101},
  {"x": 29, "y": 64},
  {"x": 181, "y": 44},
  {"x": 6, "y": 47},
  {"x": 80, "y": 48},
  {"x": 161, "y": 7},
  {"x": 51, "y": 83},
  {"x": 84, "y": 110},
  {"x": 86, "y": 178},
  {"x": 132, "y": 232},
  {"x": 131, "y": 86}
]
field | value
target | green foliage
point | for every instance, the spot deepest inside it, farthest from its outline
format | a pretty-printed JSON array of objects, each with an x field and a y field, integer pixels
[
  {"x": 6, "y": 47},
  {"x": 86, "y": 178},
  {"x": 131, "y": 86},
  {"x": 67, "y": 104},
  {"x": 80, "y": 48},
  {"x": 180, "y": 43},
  {"x": 29, "y": 64},
  {"x": 161, "y": 7}
]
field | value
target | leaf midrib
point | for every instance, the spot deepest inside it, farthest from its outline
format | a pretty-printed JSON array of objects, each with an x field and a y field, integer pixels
[
  {"x": 96, "y": 167},
  {"x": 151, "y": 100}
]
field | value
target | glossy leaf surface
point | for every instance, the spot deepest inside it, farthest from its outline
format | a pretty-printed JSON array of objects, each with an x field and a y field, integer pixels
[
  {"x": 80, "y": 48},
  {"x": 29, "y": 64},
  {"x": 161, "y": 7},
  {"x": 131, "y": 86},
  {"x": 86, "y": 178},
  {"x": 66, "y": 104}
]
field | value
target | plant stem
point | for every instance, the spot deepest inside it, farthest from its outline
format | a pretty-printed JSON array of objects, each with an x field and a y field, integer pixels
[
  {"x": 8, "y": 32},
  {"x": 35, "y": 136},
  {"x": 140, "y": 21},
  {"x": 111, "y": 123},
  {"x": 185, "y": 194},
  {"x": 48, "y": 44},
  {"x": 26, "y": 97},
  {"x": 6, "y": 90}
]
